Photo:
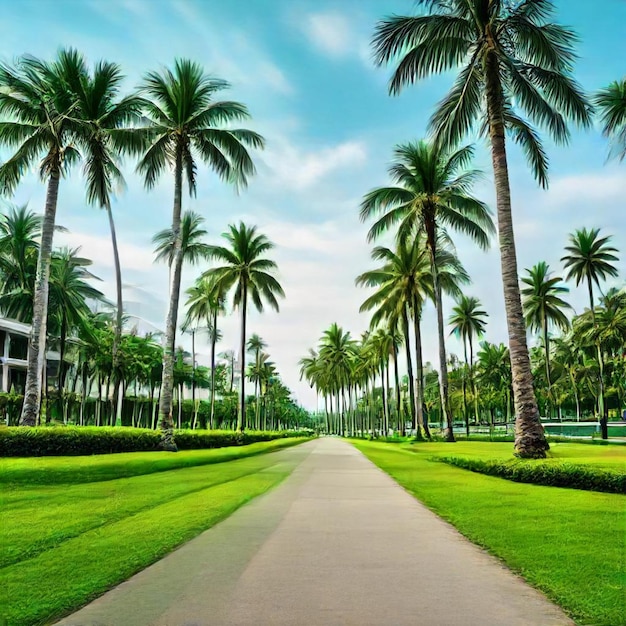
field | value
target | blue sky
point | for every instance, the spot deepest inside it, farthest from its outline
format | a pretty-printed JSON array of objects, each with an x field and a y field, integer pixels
[{"x": 304, "y": 70}]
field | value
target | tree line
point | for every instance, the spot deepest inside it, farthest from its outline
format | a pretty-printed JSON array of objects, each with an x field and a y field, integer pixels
[{"x": 515, "y": 76}]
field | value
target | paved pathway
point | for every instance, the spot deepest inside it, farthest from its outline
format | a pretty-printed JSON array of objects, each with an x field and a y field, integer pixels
[{"x": 337, "y": 543}]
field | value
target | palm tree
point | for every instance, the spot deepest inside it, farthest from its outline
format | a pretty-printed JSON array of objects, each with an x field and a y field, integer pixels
[
  {"x": 251, "y": 274},
  {"x": 19, "y": 247},
  {"x": 37, "y": 119},
  {"x": 67, "y": 299},
  {"x": 515, "y": 62},
  {"x": 611, "y": 102},
  {"x": 205, "y": 301},
  {"x": 431, "y": 193},
  {"x": 590, "y": 258},
  {"x": 256, "y": 345},
  {"x": 105, "y": 117},
  {"x": 544, "y": 308},
  {"x": 192, "y": 234},
  {"x": 494, "y": 374},
  {"x": 468, "y": 320},
  {"x": 336, "y": 350},
  {"x": 187, "y": 125}
]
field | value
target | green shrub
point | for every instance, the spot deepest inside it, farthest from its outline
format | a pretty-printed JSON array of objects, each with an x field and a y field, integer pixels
[
  {"x": 549, "y": 474},
  {"x": 78, "y": 440}
]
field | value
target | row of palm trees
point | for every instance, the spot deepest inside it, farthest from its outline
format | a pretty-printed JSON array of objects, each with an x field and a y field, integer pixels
[
  {"x": 84, "y": 338},
  {"x": 515, "y": 73},
  {"x": 354, "y": 376},
  {"x": 61, "y": 113}
]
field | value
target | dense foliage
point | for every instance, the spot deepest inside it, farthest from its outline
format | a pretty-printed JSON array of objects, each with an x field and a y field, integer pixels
[{"x": 71, "y": 440}]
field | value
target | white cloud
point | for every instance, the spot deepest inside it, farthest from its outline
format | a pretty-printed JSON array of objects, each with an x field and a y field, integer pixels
[
  {"x": 293, "y": 167},
  {"x": 338, "y": 35},
  {"x": 329, "y": 32}
]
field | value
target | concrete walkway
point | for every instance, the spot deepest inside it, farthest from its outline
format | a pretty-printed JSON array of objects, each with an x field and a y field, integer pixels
[{"x": 337, "y": 543}]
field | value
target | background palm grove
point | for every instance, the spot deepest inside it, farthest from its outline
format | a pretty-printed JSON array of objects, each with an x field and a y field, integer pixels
[{"x": 72, "y": 127}]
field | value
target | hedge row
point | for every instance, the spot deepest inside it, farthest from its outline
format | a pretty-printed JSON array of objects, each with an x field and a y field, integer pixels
[
  {"x": 79, "y": 440},
  {"x": 550, "y": 474}
]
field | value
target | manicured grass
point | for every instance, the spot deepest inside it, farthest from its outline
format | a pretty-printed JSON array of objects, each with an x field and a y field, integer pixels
[
  {"x": 566, "y": 542},
  {"x": 86, "y": 469},
  {"x": 66, "y": 544}
]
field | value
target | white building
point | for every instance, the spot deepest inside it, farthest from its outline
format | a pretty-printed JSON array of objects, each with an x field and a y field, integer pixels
[{"x": 14, "y": 355}]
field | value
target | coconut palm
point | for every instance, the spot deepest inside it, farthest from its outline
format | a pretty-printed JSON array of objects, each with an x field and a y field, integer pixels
[
  {"x": 256, "y": 345},
  {"x": 468, "y": 320},
  {"x": 514, "y": 62},
  {"x": 431, "y": 194},
  {"x": 68, "y": 300},
  {"x": 251, "y": 275},
  {"x": 37, "y": 120},
  {"x": 611, "y": 103},
  {"x": 19, "y": 246},
  {"x": 105, "y": 117},
  {"x": 336, "y": 350},
  {"x": 590, "y": 259},
  {"x": 205, "y": 301},
  {"x": 192, "y": 234},
  {"x": 544, "y": 308},
  {"x": 188, "y": 126},
  {"x": 403, "y": 284},
  {"x": 494, "y": 374}
]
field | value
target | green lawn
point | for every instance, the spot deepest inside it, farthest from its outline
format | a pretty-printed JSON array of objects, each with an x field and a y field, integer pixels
[
  {"x": 64, "y": 544},
  {"x": 568, "y": 543},
  {"x": 609, "y": 457}
]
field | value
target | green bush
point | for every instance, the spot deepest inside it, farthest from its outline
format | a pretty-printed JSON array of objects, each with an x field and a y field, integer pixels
[
  {"x": 550, "y": 474},
  {"x": 78, "y": 440}
]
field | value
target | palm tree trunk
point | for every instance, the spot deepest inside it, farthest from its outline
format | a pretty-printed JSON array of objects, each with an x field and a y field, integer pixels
[
  {"x": 431, "y": 237},
  {"x": 242, "y": 401},
  {"x": 473, "y": 380},
  {"x": 601, "y": 409},
  {"x": 61, "y": 374},
  {"x": 116, "y": 403},
  {"x": 193, "y": 379},
  {"x": 530, "y": 440},
  {"x": 213, "y": 342},
  {"x": 37, "y": 340},
  {"x": 409, "y": 365},
  {"x": 465, "y": 413},
  {"x": 167, "y": 384},
  {"x": 546, "y": 347},
  {"x": 396, "y": 375},
  {"x": 419, "y": 366}
]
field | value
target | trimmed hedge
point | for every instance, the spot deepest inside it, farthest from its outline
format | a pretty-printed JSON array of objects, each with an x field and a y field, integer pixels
[
  {"x": 85, "y": 440},
  {"x": 550, "y": 474}
]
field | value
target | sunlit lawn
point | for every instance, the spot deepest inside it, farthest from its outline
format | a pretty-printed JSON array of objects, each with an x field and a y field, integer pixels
[
  {"x": 567, "y": 542},
  {"x": 64, "y": 544}
]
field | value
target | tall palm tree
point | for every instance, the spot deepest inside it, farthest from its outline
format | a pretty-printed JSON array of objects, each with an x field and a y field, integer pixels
[
  {"x": 205, "y": 301},
  {"x": 543, "y": 307},
  {"x": 251, "y": 275},
  {"x": 105, "y": 117},
  {"x": 468, "y": 320},
  {"x": 611, "y": 102},
  {"x": 37, "y": 120},
  {"x": 188, "y": 125},
  {"x": 514, "y": 62},
  {"x": 256, "y": 345},
  {"x": 431, "y": 193},
  {"x": 590, "y": 259}
]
